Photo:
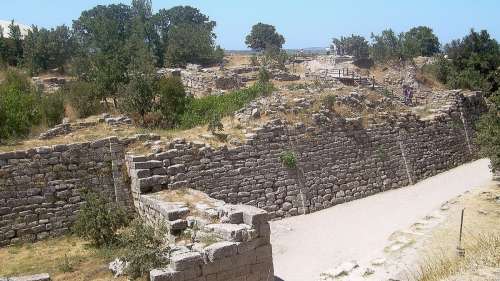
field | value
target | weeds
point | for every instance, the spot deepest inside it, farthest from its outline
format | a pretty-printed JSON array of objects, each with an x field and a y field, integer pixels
[
  {"x": 482, "y": 251},
  {"x": 289, "y": 159}
]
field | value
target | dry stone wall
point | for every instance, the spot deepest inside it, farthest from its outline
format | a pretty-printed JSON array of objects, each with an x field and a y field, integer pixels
[
  {"x": 40, "y": 188},
  {"x": 338, "y": 160}
]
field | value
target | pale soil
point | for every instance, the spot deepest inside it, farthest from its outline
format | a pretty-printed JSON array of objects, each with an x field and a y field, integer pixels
[{"x": 365, "y": 229}]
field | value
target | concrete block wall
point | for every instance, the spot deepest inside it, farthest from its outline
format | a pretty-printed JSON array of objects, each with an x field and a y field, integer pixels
[{"x": 40, "y": 187}]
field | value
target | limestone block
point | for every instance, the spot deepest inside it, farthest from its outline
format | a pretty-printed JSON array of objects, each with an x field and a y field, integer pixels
[
  {"x": 166, "y": 274},
  {"x": 186, "y": 261},
  {"x": 220, "y": 250}
]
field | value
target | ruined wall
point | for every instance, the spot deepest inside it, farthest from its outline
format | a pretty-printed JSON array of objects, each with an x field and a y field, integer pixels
[
  {"x": 338, "y": 160},
  {"x": 40, "y": 188}
]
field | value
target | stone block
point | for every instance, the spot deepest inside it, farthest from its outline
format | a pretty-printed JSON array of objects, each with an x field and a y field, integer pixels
[
  {"x": 220, "y": 250},
  {"x": 37, "y": 277},
  {"x": 185, "y": 261},
  {"x": 166, "y": 274},
  {"x": 230, "y": 232}
]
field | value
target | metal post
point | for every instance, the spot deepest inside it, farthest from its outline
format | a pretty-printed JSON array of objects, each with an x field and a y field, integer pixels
[{"x": 460, "y": 250}]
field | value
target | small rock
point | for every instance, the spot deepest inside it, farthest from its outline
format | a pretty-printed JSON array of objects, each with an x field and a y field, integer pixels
[
  {"x": 341, "y": 270},
  {"x": 378, "y": 262},
  {"x": 117, "y": 267},
  {"x": 368, "y": 271}
]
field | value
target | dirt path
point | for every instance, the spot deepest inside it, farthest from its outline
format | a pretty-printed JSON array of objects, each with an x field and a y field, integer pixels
[{"x": 305, "y": 246}]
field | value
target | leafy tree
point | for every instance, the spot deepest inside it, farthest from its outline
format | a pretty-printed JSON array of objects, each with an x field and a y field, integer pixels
[
  {"x": 3, "y": 48},
  {"x": 386, "y": 46},
  {"x": 474, "y": 61},
  {"x": 186, "y": 36},
  {"x": 419, "y": 41},
  {"x": 188, "y": 43},
  {"x": 353, "y": 45},
  {"x": 103, "y": 33},
  {"x": 488, "y": 136},
  {"x": 264, "y": 36},
  {"x": 15, "y": 53},
  {"x": 46, "y": 49}
]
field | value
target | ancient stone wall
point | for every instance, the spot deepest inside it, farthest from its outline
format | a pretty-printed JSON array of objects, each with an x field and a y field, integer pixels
[
  {"x": 40, "y": 188},
  {"x": 338, "y": 160}
]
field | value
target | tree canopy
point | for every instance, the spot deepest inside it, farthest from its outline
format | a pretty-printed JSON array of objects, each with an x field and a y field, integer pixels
[
  {"x": 353, "y": 45},
  {"x": 419, "y": 41},
  {"x": 264, "y": 36}
]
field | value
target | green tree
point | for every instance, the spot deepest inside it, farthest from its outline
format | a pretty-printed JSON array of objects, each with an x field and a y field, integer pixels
[
  {"x": 419, "y": 41},
  {"x": 264, "y": 36},
  {"x": 16, "y": 46},
  {"x": 3, "y": 48},
  {"x": 189, "y": 43},
  {"x": 386, "y": 46},
  {"x": 488, "y": 135},
  {"x": 103, "y": 58},
  {"x": 353, "y": 45},
  {"x": 47, "y": 49},
  {"x": 186, "y": 36},
  {"x": 474, "y": 60}
]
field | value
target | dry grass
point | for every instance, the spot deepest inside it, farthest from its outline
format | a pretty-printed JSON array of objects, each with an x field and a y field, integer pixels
[
  {"x": 237, "y": 60},
  {"x": 481, "y": 241},
  {"x": 483, "y": 251},
  {"x": 231, "y": 127},
  {"x": 64, "y": 258}
]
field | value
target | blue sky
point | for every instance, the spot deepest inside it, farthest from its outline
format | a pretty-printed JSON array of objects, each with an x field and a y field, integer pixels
[{"x": 303, "y": 23}]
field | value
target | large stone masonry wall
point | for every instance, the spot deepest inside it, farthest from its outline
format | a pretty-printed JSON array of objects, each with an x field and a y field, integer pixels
[
  {"x": 40, "y": 188},
  {"x": 338, "y": 160}
]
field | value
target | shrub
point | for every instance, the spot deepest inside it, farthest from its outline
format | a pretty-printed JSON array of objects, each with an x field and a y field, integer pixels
[
  {"x": 52, "y": 108},
  {"x": 146, "y": 248},
  {"x": 201, "y": 110},
  {"x": 139, "y": 96},
  {"x": 329, "y": 101},
  {"x": 172, "y": 99},
  {"x": 82, "y": 97},
  {"x": 215, "y": 123},
  {"x": 98, "y": 220},
  {"x": 288, "y": 159},
  {"x": 488, "y": 133},
  {"x": 264, "y": 76},
  {"x": 19, "y": 109}
]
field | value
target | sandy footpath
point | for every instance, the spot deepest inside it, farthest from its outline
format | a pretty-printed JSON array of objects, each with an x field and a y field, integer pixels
[{"x": 305, "y": 246}]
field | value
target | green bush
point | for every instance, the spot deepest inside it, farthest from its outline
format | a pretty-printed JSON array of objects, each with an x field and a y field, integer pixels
[
  {"x": 19, "y": 106},
  {"x": 201, "y": 110},
  {"x": 329, "y": 101},
  {"x": 288, "y": 159},
  {"x": 172, "y": 100},
  {"x": 99, "y": 220},
  {"x": 264, "y": 76},
  {"x": 145, "y": 248},
  {"x": 52, "y": 107},
  {"x": 488, "y": 133},
  {"x": 82, "y": 97}
]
